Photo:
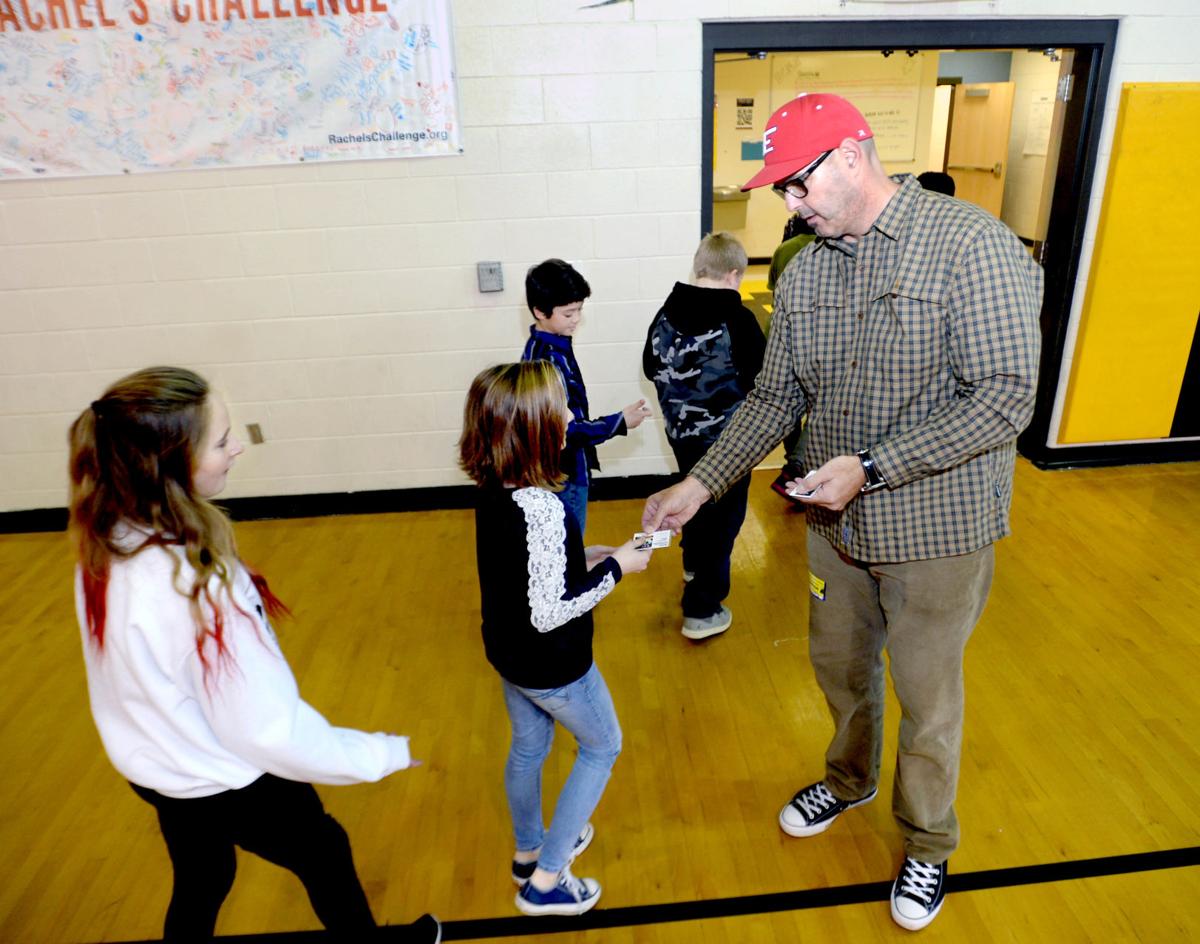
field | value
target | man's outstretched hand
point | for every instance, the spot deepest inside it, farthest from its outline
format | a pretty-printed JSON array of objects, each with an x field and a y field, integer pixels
[{"x": 674, "y": 507}]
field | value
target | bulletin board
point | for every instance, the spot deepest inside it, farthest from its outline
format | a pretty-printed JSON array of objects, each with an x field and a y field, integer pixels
[
  {"x": 886, "y": 89},
  {"x": 1129, "y": 376}
]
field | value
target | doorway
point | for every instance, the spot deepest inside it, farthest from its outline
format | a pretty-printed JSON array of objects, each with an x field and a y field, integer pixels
[{"x": 1040, "y": 176}]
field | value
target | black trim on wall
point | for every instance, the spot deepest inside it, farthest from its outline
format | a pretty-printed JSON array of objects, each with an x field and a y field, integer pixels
[
  {"x": 381, "y": 501},
  {"x": 1187, "y": 407},
  {"x": 1094, "y": 42},
  {"x": 33, "y": 520},
  {"x": 1082, "y": 457}
]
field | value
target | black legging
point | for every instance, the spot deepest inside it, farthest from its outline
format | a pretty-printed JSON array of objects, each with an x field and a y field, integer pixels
[{"x": 280, "y": 820}]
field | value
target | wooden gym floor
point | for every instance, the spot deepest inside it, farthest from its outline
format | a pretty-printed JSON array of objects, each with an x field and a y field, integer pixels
[{"x": 1079, "y": 797}]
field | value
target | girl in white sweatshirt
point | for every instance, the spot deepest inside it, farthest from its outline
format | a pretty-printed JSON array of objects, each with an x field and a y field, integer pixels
[{"x": 192, "y": 697}]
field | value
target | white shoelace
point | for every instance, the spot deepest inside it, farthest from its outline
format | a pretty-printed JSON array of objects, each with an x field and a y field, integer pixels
[
  {"x": 572, "y": 886},
  {"x": 919, "y": 880},
  {"x": 814, "y": 802}
]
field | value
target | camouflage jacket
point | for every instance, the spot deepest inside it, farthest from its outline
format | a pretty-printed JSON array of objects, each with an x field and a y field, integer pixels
[{"x": 703, "y": 351}]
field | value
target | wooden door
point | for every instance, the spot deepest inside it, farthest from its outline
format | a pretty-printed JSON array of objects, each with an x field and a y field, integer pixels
[
  {"x": 1053, "y": 152},
  {"x": 979, "y": 131}
]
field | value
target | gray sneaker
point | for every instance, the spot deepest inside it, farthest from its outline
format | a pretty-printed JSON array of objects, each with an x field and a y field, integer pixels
[{"x": 696, "y": 628}]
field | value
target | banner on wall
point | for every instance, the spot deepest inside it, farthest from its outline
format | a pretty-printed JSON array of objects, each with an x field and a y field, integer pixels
[{"x": 126, "y": 86}]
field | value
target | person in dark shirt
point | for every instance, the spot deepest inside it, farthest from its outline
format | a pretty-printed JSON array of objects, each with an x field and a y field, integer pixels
[
  {"x": 937, "y": 181},
  {"x": 555, "y": 293},
  {"x": 796, "y": 235},
  {"x": 537, "y": 587},
  {"x": 703, "y": 350}
]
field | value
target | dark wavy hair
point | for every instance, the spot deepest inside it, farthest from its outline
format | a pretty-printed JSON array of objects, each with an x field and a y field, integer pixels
[{"x": 514, "y": 422}]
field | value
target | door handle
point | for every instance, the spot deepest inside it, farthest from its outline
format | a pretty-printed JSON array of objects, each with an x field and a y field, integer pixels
[{"x": 995, "y": 170}]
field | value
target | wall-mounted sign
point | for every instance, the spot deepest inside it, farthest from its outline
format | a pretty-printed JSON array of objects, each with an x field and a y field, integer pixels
[
  {"x": 124, "y": 86},
  {"x": 745, "y": 114}
]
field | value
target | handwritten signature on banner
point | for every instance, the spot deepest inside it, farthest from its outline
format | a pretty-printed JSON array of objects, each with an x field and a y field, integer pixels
[{"x": 104, "y": 87}]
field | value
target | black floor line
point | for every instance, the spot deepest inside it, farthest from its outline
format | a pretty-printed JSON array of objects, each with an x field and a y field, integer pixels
[{"x": 520, "y": 926}]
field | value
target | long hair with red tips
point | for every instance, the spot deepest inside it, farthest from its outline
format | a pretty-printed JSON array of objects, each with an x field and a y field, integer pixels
[{"x": 133, "y": 457}]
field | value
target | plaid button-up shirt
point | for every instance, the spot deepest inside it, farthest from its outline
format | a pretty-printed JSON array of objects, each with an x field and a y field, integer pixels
[{"x": 920, "y": 342}]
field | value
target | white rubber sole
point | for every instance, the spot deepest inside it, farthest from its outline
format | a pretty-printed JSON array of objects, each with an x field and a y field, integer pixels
[
  {"x": 911, "y": 924},
  {"x": 707, "y": 631},
  {"x": 801, "y": 831}
]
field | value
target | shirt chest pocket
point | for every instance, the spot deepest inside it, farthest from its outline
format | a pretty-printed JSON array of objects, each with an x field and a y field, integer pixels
[
  {"x": 820, "y": 336},
  {"x": 909, "y": 334}
]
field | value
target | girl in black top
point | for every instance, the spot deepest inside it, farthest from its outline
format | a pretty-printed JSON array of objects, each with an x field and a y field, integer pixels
[{"x": 538, "y": 585}]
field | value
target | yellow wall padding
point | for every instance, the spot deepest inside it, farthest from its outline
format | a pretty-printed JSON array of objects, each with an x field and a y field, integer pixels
[{"x": 1143, "y": 292}]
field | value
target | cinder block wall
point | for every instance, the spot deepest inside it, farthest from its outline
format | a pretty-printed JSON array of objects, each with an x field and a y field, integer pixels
[{"x": 336, "y": 304}]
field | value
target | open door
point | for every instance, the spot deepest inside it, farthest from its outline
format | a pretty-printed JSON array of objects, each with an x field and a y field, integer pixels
[
  {"x": 980, "y": 124},
  {"x": 1053, "y": 151}
]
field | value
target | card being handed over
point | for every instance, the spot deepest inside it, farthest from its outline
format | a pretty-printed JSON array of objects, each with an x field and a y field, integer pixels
[{"x": 647, "y": 540}]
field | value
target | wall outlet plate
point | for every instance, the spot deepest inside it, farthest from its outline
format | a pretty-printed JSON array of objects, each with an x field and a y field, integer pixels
[{"x": 491, "y": 276}]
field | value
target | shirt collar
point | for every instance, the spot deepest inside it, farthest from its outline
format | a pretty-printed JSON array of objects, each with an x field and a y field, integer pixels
[
  {"x": 895, "y": 218},
  {"x": 554, "y": 340},
  {"x": 129, "y": 536}
]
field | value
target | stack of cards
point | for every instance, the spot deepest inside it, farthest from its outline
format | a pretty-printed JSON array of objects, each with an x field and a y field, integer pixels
[
  {"x": 647, "y": 540},
  {"x": 803, "y": 490}
]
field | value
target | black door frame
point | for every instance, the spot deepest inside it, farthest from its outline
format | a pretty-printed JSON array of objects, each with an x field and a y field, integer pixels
[{"x": 1094, "y": 42}]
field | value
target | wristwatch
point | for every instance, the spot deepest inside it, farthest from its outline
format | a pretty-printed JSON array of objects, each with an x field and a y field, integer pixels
[{"x": 870, "y": 470}]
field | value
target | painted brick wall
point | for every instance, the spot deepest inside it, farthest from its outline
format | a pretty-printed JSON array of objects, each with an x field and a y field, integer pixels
[{"x": 336, "y": 305}]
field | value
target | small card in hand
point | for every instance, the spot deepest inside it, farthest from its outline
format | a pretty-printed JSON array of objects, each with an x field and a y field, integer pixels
[
  {"x": 803, "y": 490},
  {"x": 646, "y": 540}
]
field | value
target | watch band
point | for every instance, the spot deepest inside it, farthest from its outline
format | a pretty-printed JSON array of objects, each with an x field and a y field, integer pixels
[{"x": 870, "y": 470}]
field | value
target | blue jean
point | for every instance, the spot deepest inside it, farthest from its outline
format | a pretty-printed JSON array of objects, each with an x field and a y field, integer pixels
[
  {"x": 575, "y": 497},
  {"x": 585, "y": 708}
]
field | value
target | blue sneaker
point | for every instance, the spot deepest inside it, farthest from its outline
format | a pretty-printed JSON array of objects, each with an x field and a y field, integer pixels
[
  {"x": 523, "y": 871},
  {"x": 571, "y": 896}
]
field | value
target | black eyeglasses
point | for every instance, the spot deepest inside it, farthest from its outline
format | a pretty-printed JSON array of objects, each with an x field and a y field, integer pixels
[{"x": 794, "y": 186}]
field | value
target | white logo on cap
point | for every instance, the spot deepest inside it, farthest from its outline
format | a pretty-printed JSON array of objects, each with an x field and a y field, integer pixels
[{"x": 767, "y": 149}]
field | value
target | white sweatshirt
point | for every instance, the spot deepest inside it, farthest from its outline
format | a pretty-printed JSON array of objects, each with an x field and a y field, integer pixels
[{"x": 169, "y": 726}]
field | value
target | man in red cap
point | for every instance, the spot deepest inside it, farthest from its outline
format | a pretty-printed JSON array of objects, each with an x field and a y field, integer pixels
[{"x": 907, "y": 333}]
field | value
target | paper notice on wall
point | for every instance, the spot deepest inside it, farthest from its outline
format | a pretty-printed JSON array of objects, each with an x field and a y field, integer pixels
[
  {"x": 745, "y": 114},
  {"x": 1037, "y": 128},
  {"x": 886, "y": 89},
  {"x": 126, "y": 86}
]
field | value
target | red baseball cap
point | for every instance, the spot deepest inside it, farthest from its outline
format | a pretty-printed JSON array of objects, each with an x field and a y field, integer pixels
[{"x": 804, "y": 129}]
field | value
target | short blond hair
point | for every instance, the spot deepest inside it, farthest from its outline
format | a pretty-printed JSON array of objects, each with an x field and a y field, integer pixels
[{"x": 718, "y": 255}]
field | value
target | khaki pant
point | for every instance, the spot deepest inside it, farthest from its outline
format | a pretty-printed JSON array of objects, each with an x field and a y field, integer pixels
[{"x": 923, "y": 612}]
